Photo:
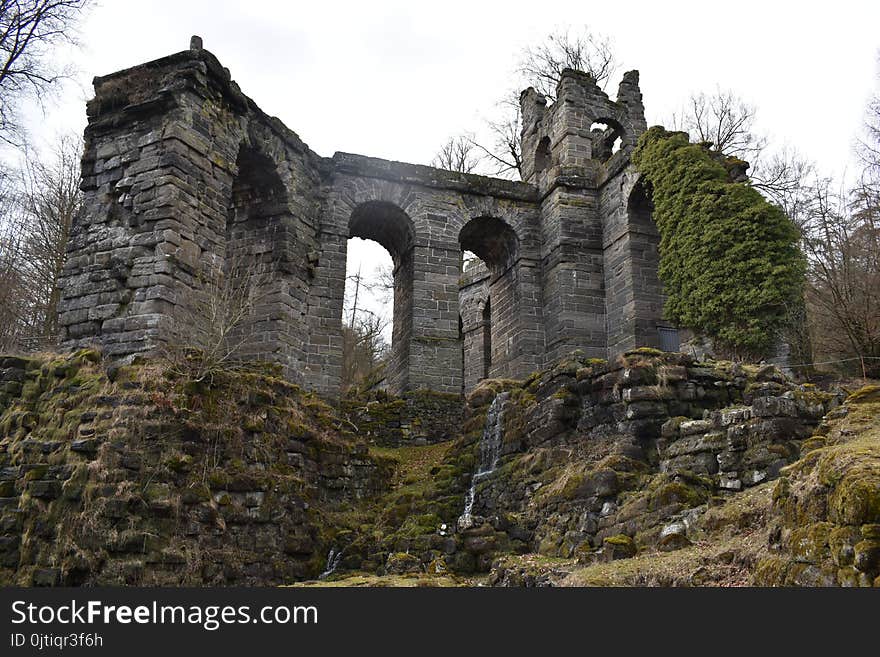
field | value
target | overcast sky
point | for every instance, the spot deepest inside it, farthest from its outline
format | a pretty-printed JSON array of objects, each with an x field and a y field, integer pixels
[{"x": 396, "y": 79}]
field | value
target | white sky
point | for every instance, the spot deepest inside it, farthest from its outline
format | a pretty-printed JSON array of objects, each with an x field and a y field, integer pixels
[{"x": 396, "y": 79}]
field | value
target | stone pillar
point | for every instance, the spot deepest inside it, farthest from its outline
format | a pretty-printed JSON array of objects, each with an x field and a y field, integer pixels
[
  {"x": 154, "y": 205},
  {"x": 169, "y": 204},
  {"x": 435, "y": 345}
]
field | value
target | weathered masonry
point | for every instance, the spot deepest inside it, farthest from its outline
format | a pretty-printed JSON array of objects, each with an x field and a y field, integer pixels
[{"x": 190, "y": 186}]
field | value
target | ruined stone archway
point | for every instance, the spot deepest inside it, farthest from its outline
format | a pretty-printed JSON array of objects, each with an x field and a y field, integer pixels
[
  {"x": 391, "y": 227},
  {"x": 170, "y": 193}
]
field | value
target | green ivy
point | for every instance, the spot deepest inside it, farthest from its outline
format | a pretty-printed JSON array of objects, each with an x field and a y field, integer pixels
[{"x": 729, "y": 259}]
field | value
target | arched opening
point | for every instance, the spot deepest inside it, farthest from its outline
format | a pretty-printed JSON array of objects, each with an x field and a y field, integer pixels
[
  {"x": 639, "y": 206},
  {"x": 607, "y": 138},
  {"x": 542, "y": 155},
  {"x": 488, "y": 298},
  {"x": 649, "y": 327},
  {"x": 242, "y": 300},
  {"x": 378, "y": 306}
]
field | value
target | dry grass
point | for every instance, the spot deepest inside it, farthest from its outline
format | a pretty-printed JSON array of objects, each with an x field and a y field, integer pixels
[
  {"x": 413, "y": 463},
  {"x": 395, "y": 581},
  {"x": 731, "y": 539}
]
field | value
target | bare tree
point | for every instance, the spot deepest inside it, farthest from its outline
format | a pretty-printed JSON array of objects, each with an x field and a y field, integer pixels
[
  {"x": 29, "y": 32},
  {"x": 364, "y": 349},
  {"x": 727, "y": 122},
  {"x": 724, "y": 120},
  {"x": 842, "y": 243},
  {"x": 457, "y": 154},
  {"x": 782, "y": 176},
  {"x": 13, "y": 292},
  {"x": 503, "y": 156},
  {"x": 216, "y": 320},
  {"x": 542, "y": 65},
  {"x": 38, "y": 209},
  {"x": 51, "y": 199}
]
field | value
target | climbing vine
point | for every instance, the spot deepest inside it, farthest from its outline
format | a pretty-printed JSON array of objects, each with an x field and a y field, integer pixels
[{"x": 729, "y": 259}]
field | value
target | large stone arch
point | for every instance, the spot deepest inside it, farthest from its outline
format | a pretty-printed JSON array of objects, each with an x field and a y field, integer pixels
[
  {"x": 387, "y": 224},
  {"x": 265, "y": 243},
  {"x": 426, "y": 341}
]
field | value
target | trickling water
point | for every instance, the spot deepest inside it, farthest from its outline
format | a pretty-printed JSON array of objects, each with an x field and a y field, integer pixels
[
  {"x": 333, "y": 559},
  {"x": 490, "y": 451}
]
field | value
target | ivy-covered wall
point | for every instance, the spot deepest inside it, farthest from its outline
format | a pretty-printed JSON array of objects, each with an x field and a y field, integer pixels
[{"x": 729, "y": 260}]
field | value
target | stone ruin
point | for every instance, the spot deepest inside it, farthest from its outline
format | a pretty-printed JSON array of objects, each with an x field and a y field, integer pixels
[{"x": 187, "y": 183}]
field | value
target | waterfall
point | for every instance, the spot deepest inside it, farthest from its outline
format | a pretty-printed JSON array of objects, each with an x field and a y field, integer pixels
[
  {"x": 333, "y": 559},
  {"x": 490, "y": 451}
]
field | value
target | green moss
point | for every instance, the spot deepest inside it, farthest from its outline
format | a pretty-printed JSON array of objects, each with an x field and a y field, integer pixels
[
  {"x": 678, "y": 492},
  {"x": 852, "y": 471},
  {"x": 810, "y": 544},
  {"x": 864, "y": 395}
]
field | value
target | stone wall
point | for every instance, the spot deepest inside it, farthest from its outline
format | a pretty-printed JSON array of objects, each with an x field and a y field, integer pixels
[
  {"x": 594, "y": 453},
  {"x": 141, "y": 480},
  {"x": 416, "y": 418},
  {"x": 193, "y": 194}
]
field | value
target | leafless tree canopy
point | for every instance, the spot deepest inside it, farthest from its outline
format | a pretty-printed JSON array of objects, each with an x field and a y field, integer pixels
[
  {"x": 29, "y": 30},
  {"x": 542, "y": 65},
  {"x": 499, "y": 150},
  {"x": 727, "y": 123},
  {"x": 37, "y": 208},
  {"x": 503, "y": 156},
  {"x": 457, "y": 154},
  {"x": 724, "y": 120},
  {"x": 842, "y": 241}
]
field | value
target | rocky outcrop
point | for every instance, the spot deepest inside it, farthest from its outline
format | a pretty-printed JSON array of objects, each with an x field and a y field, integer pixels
[
  {"x": 637, "y": 448},
  {"x": 599, "y": 461},
  {"x": 826, "y": 526}
]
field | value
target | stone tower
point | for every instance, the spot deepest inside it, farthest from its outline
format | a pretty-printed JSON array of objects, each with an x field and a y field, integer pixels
[{"x": 599, "y": 243}]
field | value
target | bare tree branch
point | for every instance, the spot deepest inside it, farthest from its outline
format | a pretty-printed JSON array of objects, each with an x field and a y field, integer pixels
[
  {"x": 29, "y": 31},
  {"x": 542, "y": 65},
  {"x": 457, "y": 154}
]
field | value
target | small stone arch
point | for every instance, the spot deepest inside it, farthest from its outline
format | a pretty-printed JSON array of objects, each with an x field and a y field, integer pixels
[
  {"x": 640, "y": 205},
  {"x": 607, "y": 135},
  {"x": 542, "y": 155},
  {"x": 492, "y": 240}
]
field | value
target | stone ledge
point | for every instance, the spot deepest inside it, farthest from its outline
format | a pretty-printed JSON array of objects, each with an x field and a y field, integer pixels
[{"x": 425, "y": 176}]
